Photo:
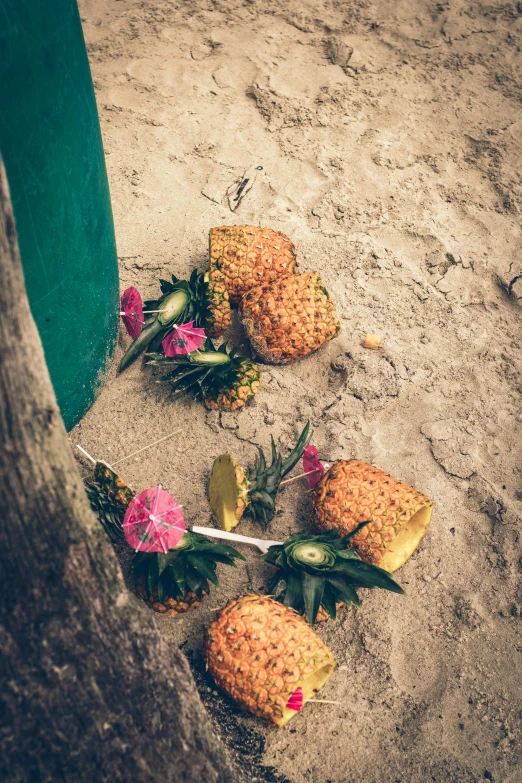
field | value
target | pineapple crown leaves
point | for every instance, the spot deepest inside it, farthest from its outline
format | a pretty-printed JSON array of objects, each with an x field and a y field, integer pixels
[
  {"x": 264, "y": 480},
  {"x": 188, "y": 567},
  {"x": 190, "y": 304},
  {"x": 320, "y": 571},
  {"x": 196, "y": 289},
  {"x": 202, "y": 372}
]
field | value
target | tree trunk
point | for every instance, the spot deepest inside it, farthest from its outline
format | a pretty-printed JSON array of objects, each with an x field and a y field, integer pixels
[{"x": 89, "y": 689}]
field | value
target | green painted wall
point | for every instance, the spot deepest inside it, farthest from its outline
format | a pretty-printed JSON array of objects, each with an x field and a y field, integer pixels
[{"x": 51, "y": 144}]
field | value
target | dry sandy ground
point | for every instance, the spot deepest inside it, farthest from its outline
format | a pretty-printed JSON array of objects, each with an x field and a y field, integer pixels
[{"x": 396, "y": 170}]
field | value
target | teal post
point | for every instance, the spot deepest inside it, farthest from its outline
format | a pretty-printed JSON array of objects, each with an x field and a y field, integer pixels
[{"x": 52, "y": 149}]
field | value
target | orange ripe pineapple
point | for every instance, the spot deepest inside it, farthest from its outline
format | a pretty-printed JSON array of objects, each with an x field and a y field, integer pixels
[
  {"x": 260, "y": 652},
  {"x": 351, "y": 492},
  {"x": 249, "y": 255},
  {"x": 289, "y": 318}
]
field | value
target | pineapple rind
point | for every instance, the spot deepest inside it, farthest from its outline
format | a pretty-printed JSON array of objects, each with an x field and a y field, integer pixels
[
  {"x": 109, "y": 497},
  {"x": 351, "y": 492},
  {"x": 170, "y": 605},
  {"x": 259, "y": 651},
  {"x": 249, "y": 255},
  {"x": 217, "y": 304},
  {"x": 289, "y": 318},
  {"x": 239, "y": 388}
]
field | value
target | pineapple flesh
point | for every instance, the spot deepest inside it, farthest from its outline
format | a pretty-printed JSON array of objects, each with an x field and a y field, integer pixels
[
  {"x": 168, "y": 604},
  {"x": 352, "y": 492},
  {"x": 289, "y": 318},
  {"x": 260, "y": 651},
  {"x": 228, "y": 491},
  {"x": 249, "y": 255},
  {"x": 232, "y": 489}
]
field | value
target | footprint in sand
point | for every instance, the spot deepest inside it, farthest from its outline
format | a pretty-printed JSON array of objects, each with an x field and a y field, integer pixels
[{"x": 416, "y": 659}]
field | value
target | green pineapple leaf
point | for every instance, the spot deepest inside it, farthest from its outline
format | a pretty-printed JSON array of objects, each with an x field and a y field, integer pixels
[
  {"x": 204, "y": 568},
  {"x": 329, "y": 602},
  {"x": 317, "y": 573},
  {"x": 178, "y": 574},
  {"x": 343, "y": 591},
  {"x": 313, "y": 590},
  {"x": 164, "y": 560}
]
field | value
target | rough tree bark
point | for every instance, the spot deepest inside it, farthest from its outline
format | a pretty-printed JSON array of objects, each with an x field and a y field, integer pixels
[{"x": 89, "y": 689}]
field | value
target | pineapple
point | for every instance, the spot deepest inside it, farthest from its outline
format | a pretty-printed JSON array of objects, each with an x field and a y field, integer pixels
[
  {"x": 175, "y": 581},
  {"x": 169, "y": 605},
  {"x": 397, "y": 516},
  {"x": 320, "y": 574},
  {"x": 217, "y": 313},
  {"x": 260, "y": 652},
  {"x": 232, "y": 489},
  {"x": 249, "y": 255},
  {"x": 220, "y": 379},
  {"x": 109, "y": 497},
  {"x": 289, "y": 318},
  {"x": 202, "y": 299}
]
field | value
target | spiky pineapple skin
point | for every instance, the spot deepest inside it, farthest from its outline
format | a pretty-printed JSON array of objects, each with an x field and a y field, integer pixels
[
  {"x": 289, "y": 318},
  {"x": 109, "y": 497},
  {"x": 242, "y": 387},
  {"x": 218, "y": 304},
  {"x": 258, "y": 649},
  {"x": 249, "y": 255},
  {"x": 169, "y": 605},
  {"x": 351, "y": 492}
]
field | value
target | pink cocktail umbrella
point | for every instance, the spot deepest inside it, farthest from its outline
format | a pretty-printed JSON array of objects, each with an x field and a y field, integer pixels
[
  {"x": 295, "y": 702},
  {"x": 183, "y": 339},
  {"x": 153, "y": 521},
  {"x": 312, "y": 465},
  {"x": 131, "y": 311}
]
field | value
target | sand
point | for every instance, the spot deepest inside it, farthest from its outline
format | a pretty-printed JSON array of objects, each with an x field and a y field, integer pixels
[{"x": 390, "y": 136}]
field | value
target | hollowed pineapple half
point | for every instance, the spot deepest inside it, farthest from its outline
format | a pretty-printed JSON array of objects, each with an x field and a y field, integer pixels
[
  {"x": 288, "y": 318},
  {"x": 260, "y": 651},
  {"x": 351, "y": 492}
]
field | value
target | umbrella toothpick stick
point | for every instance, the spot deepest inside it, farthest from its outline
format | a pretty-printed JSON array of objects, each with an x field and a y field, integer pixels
[
  {"x": 322, "y": 701},
  {"x": 148, "y": 446},
  {"x": 122, "y": 312},
  {"x": 300, "y": 476},
  {"x": 85, "y": 454},
  {"x": 213, "y": 532}
]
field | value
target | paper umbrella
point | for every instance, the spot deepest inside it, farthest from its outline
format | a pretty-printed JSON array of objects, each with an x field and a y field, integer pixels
[
  {"x": 131, "y": 311},
  {"x": 183, "y": 339},
  {"x": 312, "y": 466},
  {"x": 153, "y": 521}
]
